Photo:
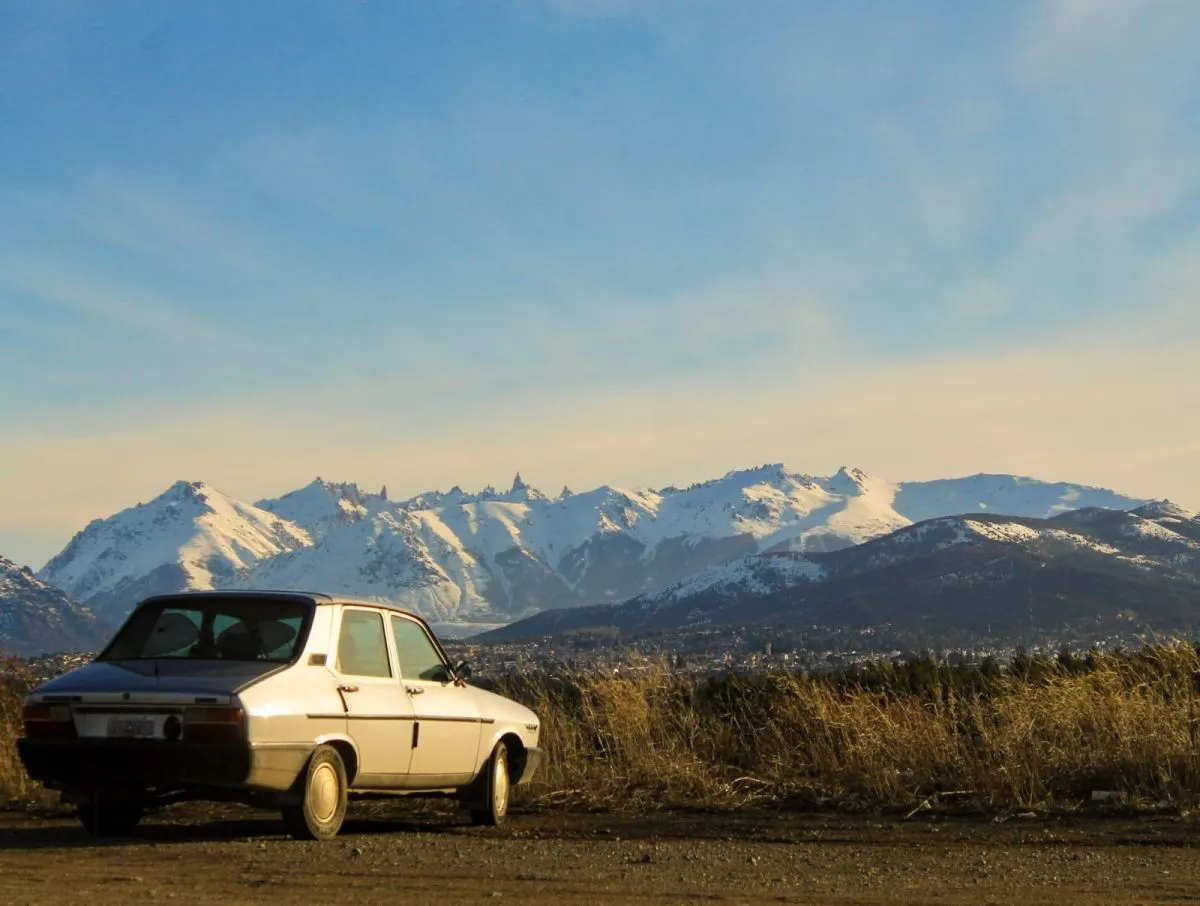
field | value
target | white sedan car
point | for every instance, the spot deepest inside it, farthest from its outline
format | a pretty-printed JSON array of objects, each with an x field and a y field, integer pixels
[{"x": 285, "y": 699}]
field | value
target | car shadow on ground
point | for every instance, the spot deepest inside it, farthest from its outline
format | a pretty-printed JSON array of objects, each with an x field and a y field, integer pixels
[
  {"x": 60, "y": 830},
  {"x": 200, "y": 823}
]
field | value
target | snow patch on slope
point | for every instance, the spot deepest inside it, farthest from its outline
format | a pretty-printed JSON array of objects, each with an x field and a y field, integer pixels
[
  {"x": 757, "y": 574},
  {"x": 1004, "y": 532},
  {"x": 377, "y": 558},
  {"x": 1008, "y": 495}
]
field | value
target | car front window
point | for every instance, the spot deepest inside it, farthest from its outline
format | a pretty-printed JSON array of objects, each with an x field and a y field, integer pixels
[
  {"x": 418, "y": 658},
  {"x": 239, "y": 629}
]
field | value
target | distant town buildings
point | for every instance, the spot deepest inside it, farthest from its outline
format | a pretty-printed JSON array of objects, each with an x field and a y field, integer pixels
[{"x": 705, "y": 652}]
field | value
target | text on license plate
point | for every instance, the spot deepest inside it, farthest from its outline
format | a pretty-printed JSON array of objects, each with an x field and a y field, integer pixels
[{"x": 131, "y": 726}]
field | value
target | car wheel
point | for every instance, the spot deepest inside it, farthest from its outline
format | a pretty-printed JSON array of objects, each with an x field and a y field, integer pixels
[
  {"x": 498, "y": 789},
  {"x": 106, "y": 815},
  {"x": 322, "y": 807}
]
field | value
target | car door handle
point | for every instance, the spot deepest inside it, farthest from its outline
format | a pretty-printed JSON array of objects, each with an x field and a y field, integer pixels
[
  {"x": 347, "y": 688},
  {"x": 414, "y": 690}
]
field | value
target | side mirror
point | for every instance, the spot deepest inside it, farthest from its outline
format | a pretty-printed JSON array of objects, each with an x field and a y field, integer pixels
[{"x": 463, "y": 670}]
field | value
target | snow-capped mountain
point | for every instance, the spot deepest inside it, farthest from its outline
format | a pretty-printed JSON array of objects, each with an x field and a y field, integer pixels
[
  {"x": 378, "y": 555},
  {"x": 37, "y": 618},
  {"x": 190, "y": 537},
  {"x": 500, "y": 555},
  {"x": 322, "y": 507},
  {"x": 973, "y": 573}
]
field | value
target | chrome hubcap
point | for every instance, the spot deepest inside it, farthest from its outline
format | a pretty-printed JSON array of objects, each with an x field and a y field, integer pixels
[
  {"x": 500, "y": 787},
  {"x": 323, "y": 792}
]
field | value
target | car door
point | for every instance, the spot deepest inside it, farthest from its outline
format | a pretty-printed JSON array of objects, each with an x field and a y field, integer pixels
[
  {"x": 379, "y": 713},
  {"x": 446, "y": 736}
]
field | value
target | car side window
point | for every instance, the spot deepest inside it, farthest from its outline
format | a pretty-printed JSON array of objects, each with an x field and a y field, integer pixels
[
  {"x": 362, "y": 649},
  {"x": 418, "y": 658}
]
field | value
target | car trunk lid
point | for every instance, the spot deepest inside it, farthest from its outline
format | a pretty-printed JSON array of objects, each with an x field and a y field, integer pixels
[{"x": 155, "y": 682}]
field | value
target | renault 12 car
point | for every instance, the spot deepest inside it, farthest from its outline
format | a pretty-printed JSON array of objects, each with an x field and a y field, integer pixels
[{"x": 281, "y": 699}]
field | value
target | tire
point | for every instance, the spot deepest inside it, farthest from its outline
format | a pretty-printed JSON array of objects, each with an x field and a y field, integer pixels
[
  {"x": 107, "y": 815},
  {"x": 324, "y": 796},
  {"x": 498, "y": 790}
]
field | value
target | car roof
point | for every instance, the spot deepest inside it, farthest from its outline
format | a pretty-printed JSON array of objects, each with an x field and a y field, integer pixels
[{"x": 315, "y": 597}]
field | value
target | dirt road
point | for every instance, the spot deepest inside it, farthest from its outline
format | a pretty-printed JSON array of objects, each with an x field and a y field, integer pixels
[{"x": 389, "y": 854}]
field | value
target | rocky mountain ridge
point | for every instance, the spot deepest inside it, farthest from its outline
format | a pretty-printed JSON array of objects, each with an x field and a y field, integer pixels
[
  {"x": 976, "y": 574},
  {"x": 502, "y": 555},
  {"x": 36, "y": 617}
]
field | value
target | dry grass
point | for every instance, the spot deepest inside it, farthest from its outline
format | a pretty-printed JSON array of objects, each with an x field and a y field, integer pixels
[
  {"x": 892, "y": 737},
  {"x": 14, "y": 784},
  {"x": 1043, "y": 734}
]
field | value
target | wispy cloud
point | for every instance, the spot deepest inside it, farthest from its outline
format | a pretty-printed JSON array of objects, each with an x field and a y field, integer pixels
[
  {"x": 154, "y": 219},
  {"x": 950, "y": 189},
  {"x": 1086, "y": 409},
  {"x": 1116, "y": 73},
  {"x": 607, "y": 241},
  {"x": 1092, "y": 46},
  {"x": 105, "y": 302}
]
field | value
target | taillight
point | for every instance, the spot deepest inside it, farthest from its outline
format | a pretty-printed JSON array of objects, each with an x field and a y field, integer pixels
[
  {"x": 214, "y": 725},
  {"x": 48, "y": 721}
]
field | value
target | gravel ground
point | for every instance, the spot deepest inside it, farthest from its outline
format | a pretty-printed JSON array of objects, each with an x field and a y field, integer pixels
[{"x": 389, "y": 852}]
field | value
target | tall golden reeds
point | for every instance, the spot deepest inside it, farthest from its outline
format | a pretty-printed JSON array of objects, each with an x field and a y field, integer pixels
[
  {"x": 14, "y": 783},
  {"x": 1041, "y": 733},
  {"x": 894, "y": 735}
]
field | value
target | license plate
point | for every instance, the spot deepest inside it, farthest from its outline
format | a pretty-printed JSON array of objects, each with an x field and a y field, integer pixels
[{"x": 131, "y": 726}]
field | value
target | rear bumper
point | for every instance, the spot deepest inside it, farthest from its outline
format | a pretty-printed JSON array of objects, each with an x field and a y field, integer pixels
[
  {"x": 533, "y": 760},
  {"x": 71, "y": 764}
]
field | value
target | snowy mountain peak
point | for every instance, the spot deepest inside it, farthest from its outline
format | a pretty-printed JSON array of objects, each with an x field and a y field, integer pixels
[
  {"x": 431, "y": 499},
  {"x": 771, "y": 471},
  {"x": 181, "y": 492},
  {"x": 321, "y": 506},
  {"x": 850, "y": 473},
  {"x": 186, "y": 488},
  {"x": 190, "y": 536},
  {"x": 523, "y": 492},
  {"x": 520, "y": 492},
  {"x": 1164, "y": 509},
  {"x": 849, "y": 480},
  {"x": 775, "y": 474}
]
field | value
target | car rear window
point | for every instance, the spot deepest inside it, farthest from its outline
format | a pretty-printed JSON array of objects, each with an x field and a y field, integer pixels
[{"x": 238, "y": 629}]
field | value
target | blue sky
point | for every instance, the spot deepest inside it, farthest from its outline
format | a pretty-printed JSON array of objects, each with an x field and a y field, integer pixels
[{"x": 596, "y": 241}]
